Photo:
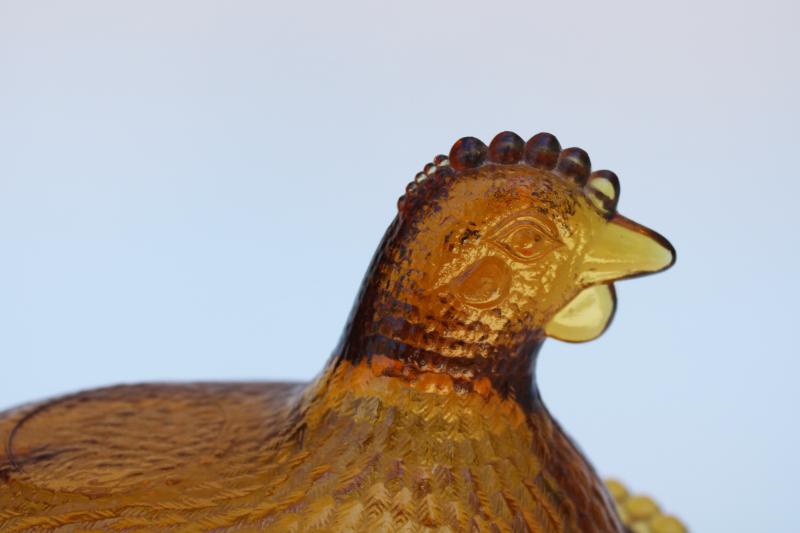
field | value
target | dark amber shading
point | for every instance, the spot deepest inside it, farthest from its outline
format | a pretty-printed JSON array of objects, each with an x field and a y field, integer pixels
[
  {"x": 574, "y": 163},
  {"x": 542, "y": 150},
  {"x": 507, "y": 147},
  {"x": 440, "y": 160},
  {"x": 467, "y": 152}
]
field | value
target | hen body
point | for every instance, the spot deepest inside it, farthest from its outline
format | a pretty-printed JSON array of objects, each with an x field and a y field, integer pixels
[{"x": 269, "y": 456}]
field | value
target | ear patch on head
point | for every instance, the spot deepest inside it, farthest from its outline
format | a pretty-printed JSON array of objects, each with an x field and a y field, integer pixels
[
  {"x": 586, "y": 316},
  {"x": 483, "y": 284}
]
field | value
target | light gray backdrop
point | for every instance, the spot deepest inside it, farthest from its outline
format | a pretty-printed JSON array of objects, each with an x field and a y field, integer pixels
[{"x": 192, "y": 190}]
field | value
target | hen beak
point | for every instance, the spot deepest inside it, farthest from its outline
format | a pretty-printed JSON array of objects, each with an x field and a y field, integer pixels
[
  {"x": 620, "y": 249},
  {"x": 624, "y": 249}
]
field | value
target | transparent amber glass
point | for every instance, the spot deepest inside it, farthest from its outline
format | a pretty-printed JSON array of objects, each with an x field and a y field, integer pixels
[{"x": 427, "y": 415}]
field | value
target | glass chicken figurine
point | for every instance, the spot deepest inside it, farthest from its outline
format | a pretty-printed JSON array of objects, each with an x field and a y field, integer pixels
[{"x": 427, "y": 416}]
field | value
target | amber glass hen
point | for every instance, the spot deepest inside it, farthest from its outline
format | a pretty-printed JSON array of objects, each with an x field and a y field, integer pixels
[{"x": 427, "y": 416}]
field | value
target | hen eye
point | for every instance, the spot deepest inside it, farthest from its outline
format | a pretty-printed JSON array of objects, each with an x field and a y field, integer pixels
[{"x": 526, "y": 240}]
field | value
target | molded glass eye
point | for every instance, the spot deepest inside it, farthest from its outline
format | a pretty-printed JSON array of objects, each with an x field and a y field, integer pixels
[{"x": 526, "y": 239}]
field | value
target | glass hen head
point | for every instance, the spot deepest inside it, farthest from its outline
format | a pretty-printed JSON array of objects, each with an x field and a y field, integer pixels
[{"x": 518, "y": 237}]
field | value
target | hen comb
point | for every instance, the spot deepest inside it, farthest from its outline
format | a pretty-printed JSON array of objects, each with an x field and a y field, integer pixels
[{"x": 542, "y": 151}]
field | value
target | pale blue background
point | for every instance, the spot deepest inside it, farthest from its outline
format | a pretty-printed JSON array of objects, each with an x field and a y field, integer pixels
[{"x": 193, "y": 189}]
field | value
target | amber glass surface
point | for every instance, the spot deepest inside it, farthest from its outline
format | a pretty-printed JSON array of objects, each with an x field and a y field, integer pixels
[{"x": 427, "y": 415}]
